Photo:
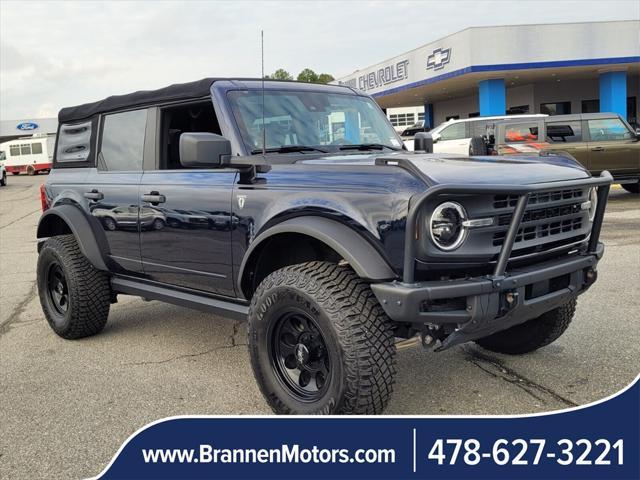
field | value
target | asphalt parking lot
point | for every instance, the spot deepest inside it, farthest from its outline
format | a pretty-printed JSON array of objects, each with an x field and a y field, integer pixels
[{"x": 66, "y": 406}]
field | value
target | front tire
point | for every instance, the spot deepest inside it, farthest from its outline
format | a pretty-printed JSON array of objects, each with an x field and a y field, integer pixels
[
  {"x": 631, "y": 187},
  {"x": 3, "y": 180},
  {"x": 75, "y": 297},
  {"x": 320, "y": 343},
  {"x": 533, "y": 334}
]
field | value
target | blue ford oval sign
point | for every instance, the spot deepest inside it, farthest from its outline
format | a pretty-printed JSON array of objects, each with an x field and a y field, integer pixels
[{"x": 27, "y": 126}]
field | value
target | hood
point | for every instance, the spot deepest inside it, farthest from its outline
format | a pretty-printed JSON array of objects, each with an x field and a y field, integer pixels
[{"x": 460, "y": 169}]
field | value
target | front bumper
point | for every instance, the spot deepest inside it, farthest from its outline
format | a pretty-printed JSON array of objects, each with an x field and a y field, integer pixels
[
  {"x": 476, "y": 307},
  {"x": 479, "y": 307}
]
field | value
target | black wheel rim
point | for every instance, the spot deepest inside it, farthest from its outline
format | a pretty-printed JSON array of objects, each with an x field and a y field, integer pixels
[
  {"x": 299, "y": 356},
  {"x": 58, "y": 289}
]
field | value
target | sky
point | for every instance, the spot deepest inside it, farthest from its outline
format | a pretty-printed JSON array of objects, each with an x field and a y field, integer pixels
[{"x": 55, "y": 54}]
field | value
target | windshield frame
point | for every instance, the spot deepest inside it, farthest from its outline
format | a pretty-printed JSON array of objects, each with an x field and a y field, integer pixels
[{"x": 247, "y": 149}]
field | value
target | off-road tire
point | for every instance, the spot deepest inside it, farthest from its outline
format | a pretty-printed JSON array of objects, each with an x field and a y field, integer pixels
[
  {"x": 533, "y": 334},
  {"x": 358, "y": 334},
  {"x": 477, "y": 146},
  {"x": 89, "y": 291},
  {"x": 631, "y": 187}
]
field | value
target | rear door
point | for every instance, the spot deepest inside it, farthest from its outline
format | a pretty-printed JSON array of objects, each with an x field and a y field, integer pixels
[
  {"x": 567, "y": 137},
  {"x": 112, "y": 188},
  {"x": 612, "y": 146}
]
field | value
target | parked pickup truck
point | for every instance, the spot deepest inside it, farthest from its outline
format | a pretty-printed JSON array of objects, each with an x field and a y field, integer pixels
[
  {"x": 334, "y": 240},
  {"x": 599, "y": 141}
]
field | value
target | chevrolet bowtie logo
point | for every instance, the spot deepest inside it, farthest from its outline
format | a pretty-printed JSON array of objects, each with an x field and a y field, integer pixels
[{"x": 438, "y": 59}]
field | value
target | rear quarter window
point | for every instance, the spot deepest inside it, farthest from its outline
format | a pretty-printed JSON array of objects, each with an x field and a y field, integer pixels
[
  {"x": 522, "y": 132},
  {"x": 74, "y": 144}
]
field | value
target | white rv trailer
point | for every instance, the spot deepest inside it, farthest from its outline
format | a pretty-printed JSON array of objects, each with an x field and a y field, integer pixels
[{"x": 30, "y": 155}]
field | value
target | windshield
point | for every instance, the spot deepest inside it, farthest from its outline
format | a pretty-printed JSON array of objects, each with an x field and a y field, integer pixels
[{"x": 321, "y": 121}]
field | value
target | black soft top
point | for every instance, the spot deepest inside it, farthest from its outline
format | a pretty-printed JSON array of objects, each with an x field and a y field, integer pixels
[{"x": 179, "y": 91}]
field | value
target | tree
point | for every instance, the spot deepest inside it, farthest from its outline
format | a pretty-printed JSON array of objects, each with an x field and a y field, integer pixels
[
  {"x": 281, "y": 74},
  {"x": 308, "y": 75},
  {"x": 325, "y": 78}
]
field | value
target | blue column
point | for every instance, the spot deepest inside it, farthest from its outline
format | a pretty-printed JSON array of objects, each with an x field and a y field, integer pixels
[
  {"x": 352, "y": 126},
  {"x": 613, "y": 93},
  {"x": 492, "y": 97},
  {"x": 428, "y": 115}
]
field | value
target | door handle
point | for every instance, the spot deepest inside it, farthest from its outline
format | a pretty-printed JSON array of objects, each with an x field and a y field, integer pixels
[
  {"x": 94, "y": 195},
  {"x": 154, "y": 198},
  {"x": 597, "y": 149}
]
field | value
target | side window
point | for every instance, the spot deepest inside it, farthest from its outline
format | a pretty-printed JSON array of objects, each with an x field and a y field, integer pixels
[
  {"x": 36, "y": 148},
  {"x": 478, "y": 129},
  {"x": 14, "y": 150},
  {"x": 608, "y": 129},
  {"x": 25, "y": 149},
  {"x": 567, "y": 132},
  {"x": 122, "y": 144},
  {"x": 174, "y": 121},
  {"x": 522, "y": 132},
  {"x": 453, "y": 132}
]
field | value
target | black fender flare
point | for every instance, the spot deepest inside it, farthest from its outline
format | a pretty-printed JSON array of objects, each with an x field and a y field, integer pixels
[
  {"x": 365, "y": 260},
  {"x": 91, "y": 239}
]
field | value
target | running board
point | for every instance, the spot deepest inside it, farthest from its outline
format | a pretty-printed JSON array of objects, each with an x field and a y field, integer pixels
[{"x": 223, "y": 308}]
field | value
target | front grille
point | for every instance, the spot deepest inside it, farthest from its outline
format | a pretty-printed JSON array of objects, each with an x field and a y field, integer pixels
[
  {"x": 504, "y": 201},
  {"x": 540, "y": 231},
  {"x": 550, "y": 220}
]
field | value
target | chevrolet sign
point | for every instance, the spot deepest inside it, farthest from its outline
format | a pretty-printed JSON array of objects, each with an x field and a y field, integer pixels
[{"x": 438, "y": 59}]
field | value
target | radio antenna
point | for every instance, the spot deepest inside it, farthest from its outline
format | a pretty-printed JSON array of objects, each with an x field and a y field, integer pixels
[{"x": 264, "y": 127}]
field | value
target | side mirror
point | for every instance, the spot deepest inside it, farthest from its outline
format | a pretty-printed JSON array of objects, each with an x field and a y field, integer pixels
[
  {"x": 423, "y": 141},
  {"x": 204, "y": 149}
]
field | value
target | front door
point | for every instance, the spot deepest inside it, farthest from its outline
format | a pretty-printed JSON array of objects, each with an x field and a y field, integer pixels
[
  {"x": 185, "y": 222},
  {"x": 453, "y": 139},
  {"x": 612, "y": 147}
]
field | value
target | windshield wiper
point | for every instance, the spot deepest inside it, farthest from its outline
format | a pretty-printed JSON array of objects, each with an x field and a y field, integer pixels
[
  {"x": 289, "y": 149},
  {"x": 367, "y": 146}
]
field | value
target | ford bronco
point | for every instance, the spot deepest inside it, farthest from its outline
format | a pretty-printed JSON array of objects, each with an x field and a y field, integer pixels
[{"x": 295, "y": 206}]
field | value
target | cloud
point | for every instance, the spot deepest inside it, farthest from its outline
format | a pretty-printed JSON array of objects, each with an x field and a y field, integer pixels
[{"x": 54, "y": 54}]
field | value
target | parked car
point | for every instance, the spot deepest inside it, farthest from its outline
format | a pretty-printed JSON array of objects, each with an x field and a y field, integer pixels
[
  {"x": 599, "y": 141},
  {"x": 335, "y": 247},
  {"x": 3, "y": 171},
  {"x": 456, "y": 136},
  {"x": 410, "y": 132}
]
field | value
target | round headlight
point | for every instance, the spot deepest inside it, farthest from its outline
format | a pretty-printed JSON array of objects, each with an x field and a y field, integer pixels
[
  {"x": 445, "y": 226},
  {"x": 593, "y": 198}
]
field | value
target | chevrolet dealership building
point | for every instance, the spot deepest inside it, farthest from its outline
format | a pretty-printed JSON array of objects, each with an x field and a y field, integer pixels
[{"x": 481, "y": 71}]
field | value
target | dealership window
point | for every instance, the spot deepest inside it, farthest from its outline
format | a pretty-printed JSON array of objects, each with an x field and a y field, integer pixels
[
  {"x": 36, "y": 148},
  {"x": 558, "y": 108},
  {"x": 590, "y": 106},
  {"x": 564, "y": 132},
  {"x": 420, "y": 116},
  {"x": 631, "y": 110},
  {"x": 453, "y": 132},
  {"x": 519, "y": 109},
  {"x": 523, "y": 132},
  {"x": 474, "y": 114},
  {"x": 608, "y": 129},
  {"x": 402, "y": 119},
  {"x": 14, "y": 150},
  {"x": 453, "y": 117},
  {"x": 25, "y": 149},
  {"x": 123, "y": 141}
]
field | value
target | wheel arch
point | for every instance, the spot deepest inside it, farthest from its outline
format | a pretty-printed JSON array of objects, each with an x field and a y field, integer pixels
[
  {"x": 69, "y": 219},
  {"x": 319, "y": 238}
]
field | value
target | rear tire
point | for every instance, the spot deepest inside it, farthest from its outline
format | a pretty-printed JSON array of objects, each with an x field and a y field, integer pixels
[
  {"x": 631, "y": 187},
  {"x": 31, "y": 171},
  {"x": 477, "y": 146},
  {"x": 533, "y": 334},
  {"x": 320, "y": 343},
  {"x": 75, "y": 297}
]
